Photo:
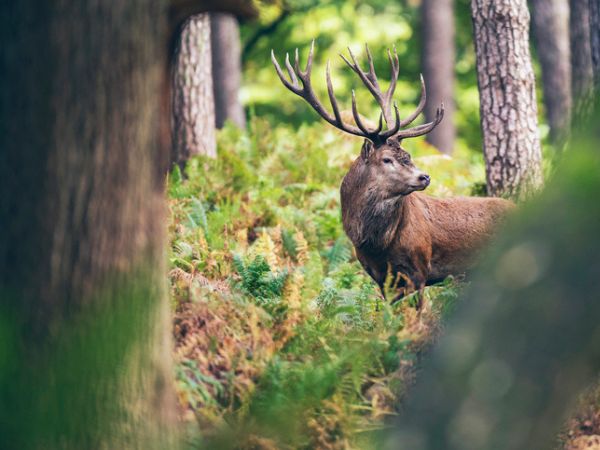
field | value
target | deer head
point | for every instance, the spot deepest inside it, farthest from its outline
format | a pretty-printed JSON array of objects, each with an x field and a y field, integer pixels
[{"x": 384, "y": 164}]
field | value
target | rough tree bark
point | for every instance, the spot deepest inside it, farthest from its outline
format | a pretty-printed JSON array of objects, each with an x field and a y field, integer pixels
[
  {"x": 226, "y": 69},
  {"x": 550, "y": 22},
  {"x": 84, "y": 315},
  {"x": 193, "y": 100},
  {"x": 507, "y": 96},
  {"x": 595, "y": 41},
  {"x": 437, "y": 57},
  {"x": 581, "y": 59}
]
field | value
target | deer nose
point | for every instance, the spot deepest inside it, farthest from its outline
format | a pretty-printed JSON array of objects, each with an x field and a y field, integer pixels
[{"x": 425, "y": 179}]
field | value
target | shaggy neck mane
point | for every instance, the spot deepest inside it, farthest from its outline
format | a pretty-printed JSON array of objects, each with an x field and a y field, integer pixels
[{"x": 375, "y": 218}]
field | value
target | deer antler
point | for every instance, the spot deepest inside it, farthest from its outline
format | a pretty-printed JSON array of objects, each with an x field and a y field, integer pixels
[
  {"x": 369, "y": 79},
  {"x": 307, "y": 93}
]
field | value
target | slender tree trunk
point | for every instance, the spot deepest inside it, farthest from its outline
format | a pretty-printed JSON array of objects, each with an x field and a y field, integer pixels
[
  {"x": 581, "y": 59},
  {"x": 507, "y": 96},
  {"x": 84, "y": 323},
  {"x": 595, "y": 41},
  {"x": 193, "y": 101},
  {"x": 437, "y": 23},
  {"x": 551, "y": 33},
  {"x": 226, "y": 69}
]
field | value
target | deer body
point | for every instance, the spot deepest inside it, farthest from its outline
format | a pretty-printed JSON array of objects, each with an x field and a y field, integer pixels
[
  {"x": 415, "y": 238},
  {"x": 394, "y": 228}
]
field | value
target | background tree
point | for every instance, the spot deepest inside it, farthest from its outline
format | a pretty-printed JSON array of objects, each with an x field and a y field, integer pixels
[
  {"x": 550, "y": 22},
  {"x": 581, "y": 58},
  {"x": 507, "y": 95},
  {"x": 193, "y": 100},
  {"x": 85, "y": 358},
  {"x": 226, "y": 69},
  {"x": 437, "y": 59}
]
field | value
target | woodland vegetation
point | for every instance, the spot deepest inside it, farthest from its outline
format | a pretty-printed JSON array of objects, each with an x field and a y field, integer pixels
[{"x": 174, "y": 271}]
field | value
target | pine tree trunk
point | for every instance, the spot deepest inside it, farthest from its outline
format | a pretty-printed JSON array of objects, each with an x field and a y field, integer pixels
[
  {"x": 551, "y": 33},
  {"x": 84, "y": 323},
  {"x": 226, "y": 69},
  {"x": 437, "y": 23},
  {"x": 595, "y": 41},
  {"x": 193, "y": 101},
  {"x": 581, "y": 59},
  {"x": 507, "y": 96}
]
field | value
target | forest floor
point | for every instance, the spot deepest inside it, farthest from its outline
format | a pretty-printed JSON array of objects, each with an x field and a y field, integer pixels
[{"x": 281, "y": 339}]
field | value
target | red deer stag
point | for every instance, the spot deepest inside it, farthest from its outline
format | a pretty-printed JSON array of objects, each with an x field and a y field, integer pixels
[{"x": 395, "y": 230}]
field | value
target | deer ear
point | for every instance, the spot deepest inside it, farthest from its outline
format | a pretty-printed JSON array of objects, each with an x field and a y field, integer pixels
[{"x": 366, "y": 149}]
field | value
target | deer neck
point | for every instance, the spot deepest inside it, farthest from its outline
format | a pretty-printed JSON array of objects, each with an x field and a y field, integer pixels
[{"x": 372, "y": 221}]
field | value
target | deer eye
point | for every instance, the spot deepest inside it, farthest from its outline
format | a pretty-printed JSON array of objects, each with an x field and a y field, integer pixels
[{"x": 387, "y": 160}]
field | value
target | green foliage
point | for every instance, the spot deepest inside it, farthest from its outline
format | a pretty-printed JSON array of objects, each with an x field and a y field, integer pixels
[
  {"x": 338, "y": 253},
  {"x": 337, "y": 24},
  {"x": 258, "y": 281},
  {"x": 281, "y": 335},
  {"x": 284, "y": 25}
]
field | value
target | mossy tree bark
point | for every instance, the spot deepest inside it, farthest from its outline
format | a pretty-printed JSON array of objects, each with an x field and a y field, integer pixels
[
  {"x": 226, "y": 69},
  {"x": 550, "y": 21},
  {"x": 84, "y": 323},
  {"x": 193, "y": 100},
  {"x": 581, "y": 59},
  {"x": 507, "y": 97},
  {"x": 437, "y": 29}
]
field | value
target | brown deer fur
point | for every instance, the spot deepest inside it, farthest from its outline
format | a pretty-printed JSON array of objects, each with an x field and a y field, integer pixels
[
  {"x": 415, "y": 238},
  {"x": 396, "y": 230}
]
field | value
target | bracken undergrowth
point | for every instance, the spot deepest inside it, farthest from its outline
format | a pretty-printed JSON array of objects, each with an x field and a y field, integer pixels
[{"x": 281, "y": 339}]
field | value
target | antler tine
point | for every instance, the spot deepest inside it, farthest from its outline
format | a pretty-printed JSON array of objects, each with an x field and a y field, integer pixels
[
  {"x": 354, "y": 65},
  {"x": 370, "y": 80},
  {"x": 380, "y": 126},
  {"x": 395, "y": 70},
  {"x": 309, "y": 60},
  {"x": 332, "y": 98},
  {"x": 307, "y": 93},
  {"x": 371, "y": 134},
  {"x": 420, "y": 130},
  {"x": 297, "y": 62},
  {"x": 295, "y": 89},
  {"x": 371, "y": 75},
  {"x": 392, "y": 131},
  {"x": 420, "y": 106},
  {"x": 290, "y": 70}
]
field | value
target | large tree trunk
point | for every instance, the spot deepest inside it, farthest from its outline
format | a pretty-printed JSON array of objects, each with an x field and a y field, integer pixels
[
  {"x": 226, "y": 69},
  {"x": 437, "y": 23},
  {"x": 507, "y": 96},
  {"x": 551, "y": 32},
  {"x": 193, "y": 101},
  {"x": 84, "y": 323},
  {"x": 595, "y": 41}
]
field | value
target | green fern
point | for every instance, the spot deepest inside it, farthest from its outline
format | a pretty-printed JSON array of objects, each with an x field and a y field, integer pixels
[
  {"x": 258, "y": 281},
  {"x": 197, "y": 216},
  {"x": 289, "y": 243},
  {"x": 338, "y": 253}
]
